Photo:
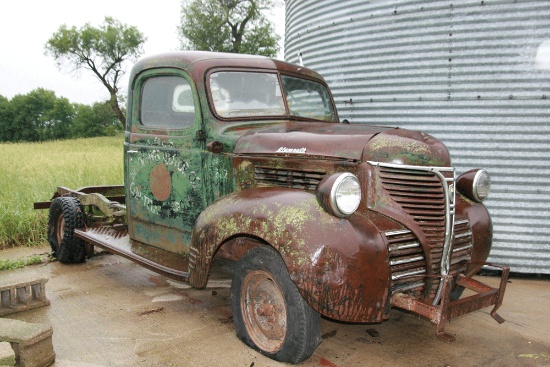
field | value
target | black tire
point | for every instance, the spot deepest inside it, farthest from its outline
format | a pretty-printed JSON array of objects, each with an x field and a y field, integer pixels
[
  {"x": 270, "y": 314},
  {"x": 456, "y": 293},
  {"x": 66, "y": 214}
]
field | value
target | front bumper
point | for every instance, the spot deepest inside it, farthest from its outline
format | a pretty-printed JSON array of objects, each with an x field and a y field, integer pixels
[{"x": 446, "y": 310}]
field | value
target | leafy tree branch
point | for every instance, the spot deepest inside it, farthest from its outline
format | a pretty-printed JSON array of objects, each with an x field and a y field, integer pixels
[
  {"x": 103, "y": 50},
  {"x": 237, "y": 26}
]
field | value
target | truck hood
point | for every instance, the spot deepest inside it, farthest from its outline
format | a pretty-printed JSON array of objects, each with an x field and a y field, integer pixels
[{"x": 344, "y": 141}]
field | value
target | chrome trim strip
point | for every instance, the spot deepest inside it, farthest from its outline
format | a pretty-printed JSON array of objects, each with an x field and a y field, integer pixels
[
  {"x": 397, "y": 233},
  {"x": 458, "y": 249},
  {"x": 404, "y": 246},
  {"x": 462, "y": 235},
  {"x": 398, "y": 276},
  {"x": 407, "y": 260}
]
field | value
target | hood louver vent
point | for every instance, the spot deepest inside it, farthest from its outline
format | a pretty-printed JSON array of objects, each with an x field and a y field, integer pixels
[{"x": 296, "y": 179}]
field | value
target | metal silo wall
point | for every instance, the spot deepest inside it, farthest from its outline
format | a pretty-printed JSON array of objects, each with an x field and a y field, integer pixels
[{"x": 474, "y": 74}]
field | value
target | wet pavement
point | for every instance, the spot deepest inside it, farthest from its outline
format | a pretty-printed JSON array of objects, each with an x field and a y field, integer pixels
[{"x": 111, "y": 312}]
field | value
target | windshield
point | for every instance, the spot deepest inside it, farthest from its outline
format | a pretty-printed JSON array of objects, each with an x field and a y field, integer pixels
[
  {"x": 243, "y": 94},
  {"x": 247, "y": 94}
]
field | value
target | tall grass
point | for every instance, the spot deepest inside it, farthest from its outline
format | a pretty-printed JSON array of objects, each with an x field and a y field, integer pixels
[{"x": 30, "y": 172}]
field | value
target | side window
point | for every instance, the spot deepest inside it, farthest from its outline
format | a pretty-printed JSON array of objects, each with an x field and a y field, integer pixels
[
  {"x": 307, "y": 98},
  {"x": 167, "y": 102}
]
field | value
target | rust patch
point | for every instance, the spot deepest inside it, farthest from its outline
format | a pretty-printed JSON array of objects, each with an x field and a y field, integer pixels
[{"x": 160, "y": 181}]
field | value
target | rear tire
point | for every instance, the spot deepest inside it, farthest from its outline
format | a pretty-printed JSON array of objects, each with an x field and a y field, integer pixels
[
  {"x": 270, "y": 314},
  {"x": 66, "y": 214}
]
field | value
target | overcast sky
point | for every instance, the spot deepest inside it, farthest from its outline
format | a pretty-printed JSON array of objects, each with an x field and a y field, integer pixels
[{"x": 26, "y": 25}]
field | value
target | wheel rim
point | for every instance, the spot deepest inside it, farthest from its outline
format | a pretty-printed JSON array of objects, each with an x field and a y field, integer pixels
[
  {"x": 264, "y": 311},
  {"x": 60, "y": 229}
]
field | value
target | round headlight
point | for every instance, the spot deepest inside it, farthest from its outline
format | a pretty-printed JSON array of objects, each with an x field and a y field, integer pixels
[
  {"x": 345, "y": 195},
  {"x": 474, "y": 184},
  {"x": 481, "y": 185},
  {"x": 339, "y": 194}
]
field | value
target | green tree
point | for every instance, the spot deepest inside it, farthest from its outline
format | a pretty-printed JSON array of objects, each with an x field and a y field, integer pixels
[
  {"x": 96, "y": 120},
  {"x": 238, "y": 26},
  {"x": 103, "y": 50},
  {"x": 6, "y": 118},
  {"x": 37, "y": 116},
  {"x": 28, "y": 115},
  {"x": 59, "y": 120}
]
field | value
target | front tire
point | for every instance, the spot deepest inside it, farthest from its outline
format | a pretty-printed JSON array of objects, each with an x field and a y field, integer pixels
[
  {"x": 270, "y": 314},
  {"x": 65, "y": 216}
]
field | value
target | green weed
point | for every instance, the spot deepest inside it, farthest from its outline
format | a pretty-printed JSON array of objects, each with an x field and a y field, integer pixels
[
  {"x": 10, "y": 264},
  {"x": 31, "y": 172}
]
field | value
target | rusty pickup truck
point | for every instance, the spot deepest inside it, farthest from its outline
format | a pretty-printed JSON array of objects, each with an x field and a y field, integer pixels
[{"x": 244, "y": 158}]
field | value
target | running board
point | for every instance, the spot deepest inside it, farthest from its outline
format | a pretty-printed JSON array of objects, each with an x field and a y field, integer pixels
[{"x": 117, "y": 241}]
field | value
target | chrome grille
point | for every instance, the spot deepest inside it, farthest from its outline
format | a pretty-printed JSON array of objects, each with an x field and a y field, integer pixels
[
  {"x": 421, "y": 195},
  {"x": 297, "y": 179},
  {"x": 427, "y": 195}
]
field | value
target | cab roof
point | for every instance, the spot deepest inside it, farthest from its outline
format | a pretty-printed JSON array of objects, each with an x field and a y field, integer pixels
[{"x": 198, "y": 62}]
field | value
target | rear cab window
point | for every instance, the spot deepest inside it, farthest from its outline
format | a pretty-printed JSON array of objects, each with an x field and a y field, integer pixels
[{"x": 167, "y": 102}]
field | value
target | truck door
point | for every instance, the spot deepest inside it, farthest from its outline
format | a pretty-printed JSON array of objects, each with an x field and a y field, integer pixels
[{"x": 163, "y": 174}]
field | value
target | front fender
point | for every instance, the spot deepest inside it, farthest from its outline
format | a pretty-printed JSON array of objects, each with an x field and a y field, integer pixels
[
  {"x": 482, "y": 231},
  {"x": 339, "y": 265}
]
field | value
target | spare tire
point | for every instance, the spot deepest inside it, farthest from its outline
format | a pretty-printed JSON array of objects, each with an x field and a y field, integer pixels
[{"x": 66, "y": 214}]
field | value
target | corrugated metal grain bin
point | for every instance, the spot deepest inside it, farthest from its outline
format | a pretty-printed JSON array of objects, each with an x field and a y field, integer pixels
[{"x": 476, "y": 74}]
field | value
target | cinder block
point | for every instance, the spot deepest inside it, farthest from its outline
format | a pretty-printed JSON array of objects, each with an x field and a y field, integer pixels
[
  {"x": 31, "y": 342},
  {"x": 20, "y": 295}
]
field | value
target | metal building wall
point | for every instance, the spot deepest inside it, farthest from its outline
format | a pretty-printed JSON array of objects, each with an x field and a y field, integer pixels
[{"x": 475, "y": 74}]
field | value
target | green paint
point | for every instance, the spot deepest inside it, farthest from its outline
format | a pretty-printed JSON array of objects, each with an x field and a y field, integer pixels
[
  {"x": 390, "y": 148},
  {"x": 218, "y": 176},
  {"x": 244, "y": 174}
]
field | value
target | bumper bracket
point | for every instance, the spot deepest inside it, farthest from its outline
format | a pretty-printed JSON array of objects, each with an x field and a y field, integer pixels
[{"x": 447, "y": 310}]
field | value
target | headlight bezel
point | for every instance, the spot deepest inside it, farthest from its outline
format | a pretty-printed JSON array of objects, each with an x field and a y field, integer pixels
[{"x": 328, "y": 191}]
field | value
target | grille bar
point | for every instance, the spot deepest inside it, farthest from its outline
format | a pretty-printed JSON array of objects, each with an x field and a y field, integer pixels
[
  {"x": 462, "y": 246},
  {"x": 407, "y": 262}
]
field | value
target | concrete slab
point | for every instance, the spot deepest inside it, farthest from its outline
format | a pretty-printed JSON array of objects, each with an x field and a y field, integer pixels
[{"x": 111, "y": 312}]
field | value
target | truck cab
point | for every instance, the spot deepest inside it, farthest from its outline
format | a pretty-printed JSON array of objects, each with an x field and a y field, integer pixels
[{"x": 245, "y": 158}]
